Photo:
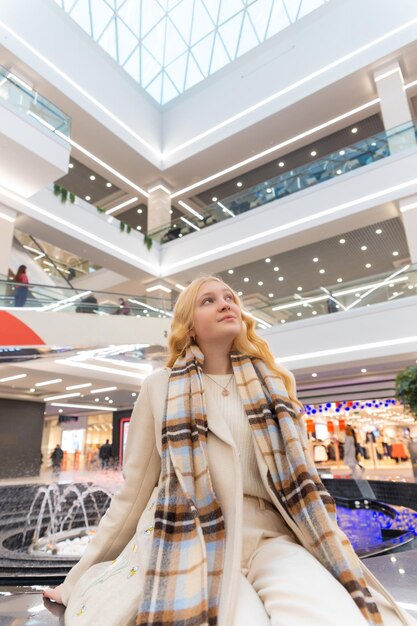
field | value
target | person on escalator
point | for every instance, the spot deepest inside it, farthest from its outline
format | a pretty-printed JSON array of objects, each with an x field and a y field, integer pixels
[{"x": 21, "y": 289}]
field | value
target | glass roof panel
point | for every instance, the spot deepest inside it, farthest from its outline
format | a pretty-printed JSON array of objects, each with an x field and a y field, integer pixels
[{"x": 168, "y": 46}]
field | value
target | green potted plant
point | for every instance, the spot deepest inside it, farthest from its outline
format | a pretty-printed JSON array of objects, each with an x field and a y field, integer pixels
[{"x": 406, "y": 389}]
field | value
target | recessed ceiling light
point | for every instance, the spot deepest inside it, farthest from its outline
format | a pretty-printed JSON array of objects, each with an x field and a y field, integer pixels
[
  {"x": 316, "y": 259},
  {"x": 71, "y": 165},
  {"x": 378, "y": 231},
  {"x": 368, "y": 265},
  {"x": 60, "y": 410},
  {"x": 338, "y": 172},
  {"x": 364, "y": 370},
  {"x": 313, "y": 153},
  {"x": 281, "y": 278},
  {"x": 138, "y": 227},
  {"x": 357, "y": 295},
  {"x": 281, "y": 164},
  {"x": 282, "y": 321},
  {"x": 88, "y": 198},
  {"x": 171, "y": 211},
  {"x": 395, "y": 253},
  {"x": 239, "y": 184},
  {"x": 92, "y": 177},
  {"x": 96, "y": 399},
  {"x": 314, "y": 312},
  {"x": 314, "y": 375},
  {"x": 364, "y": 248},
  {"x": 270, "y": 295},
  {"x": 246, "y": 279},
  {"x": 322, "y": 271},
  {"x": 267, "y": 260},
  {"x": 180, "y": 235},
  {"x": 260, "y": 283},
  {"x": 107, "y": 398},
  {"x": 32, "y": 390},
  {"x": 110, "y": 401},
  {"x": 341, "y": 152},
  {"x": 342, "y": 240},
  {"x": 109, "y": 185},
  {"x": 133, "y": 395},
  {"x": 276, "y": 269},
  {"x": 230, "y": 271},
  {"x": 299, "y": 314},
  {"x": 340, "y": 280},
  {"x": 354, "y": 130},
  {"x": 240, "y": 293},
  {"x": 214, "y": 199},
  {"x": 139, "y": 211}
]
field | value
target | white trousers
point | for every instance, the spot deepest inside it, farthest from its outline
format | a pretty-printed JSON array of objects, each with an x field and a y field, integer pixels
[{"x": 282, "y": 584}]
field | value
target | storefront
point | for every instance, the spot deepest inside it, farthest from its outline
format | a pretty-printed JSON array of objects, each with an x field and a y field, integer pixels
[
  {"x": 80, "y": 438},
  {"x": 384, "y": 432}
]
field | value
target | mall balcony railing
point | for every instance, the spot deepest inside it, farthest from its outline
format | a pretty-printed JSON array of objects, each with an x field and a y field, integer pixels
[
  {"x": 354, "y": 156},
  {"x": 16, "y": 94},
  {"x": 47, "y": 298},
  {"x": 329, "y": 299},
  {"x": 335, "y": 299}
]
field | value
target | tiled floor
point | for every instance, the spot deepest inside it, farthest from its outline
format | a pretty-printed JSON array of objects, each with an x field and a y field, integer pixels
[{"x": 20, "y": 606}]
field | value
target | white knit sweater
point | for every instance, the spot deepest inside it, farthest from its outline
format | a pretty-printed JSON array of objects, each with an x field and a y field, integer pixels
[{"x": 231, "y": 408}]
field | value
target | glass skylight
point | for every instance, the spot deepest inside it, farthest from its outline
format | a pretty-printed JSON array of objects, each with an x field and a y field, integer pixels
[{"x": 168, "y": 46}]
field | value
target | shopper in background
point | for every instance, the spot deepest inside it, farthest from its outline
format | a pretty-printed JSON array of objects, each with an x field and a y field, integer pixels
[
  {"x": 57, "y": 458},
  {"x": 21, "y": 289},
  {"x": 105, "y": 454},
  {"x": 350, "y": 453},
  {"x": 123, "y": 308}
]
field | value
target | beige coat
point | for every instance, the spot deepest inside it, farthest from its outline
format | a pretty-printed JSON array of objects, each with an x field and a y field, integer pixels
[{"x": 142, "y": 470}]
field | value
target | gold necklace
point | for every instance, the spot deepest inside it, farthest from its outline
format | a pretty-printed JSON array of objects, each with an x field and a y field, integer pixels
[{"x": 225, "y": 391}]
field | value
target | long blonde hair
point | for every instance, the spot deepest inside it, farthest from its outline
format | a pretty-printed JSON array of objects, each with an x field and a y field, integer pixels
[{"x": 247, "y": 342}]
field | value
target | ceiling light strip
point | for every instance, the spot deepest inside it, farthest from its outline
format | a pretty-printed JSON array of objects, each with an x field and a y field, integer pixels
[
  {"x": 7, "y": 218},
  {"x": 62, "y": 396},
  {"x": 103, "y": 164},
  {"x": 71, "y": 226},
  {"x": 278, "y": 146},
  {"x": 15, "y": 377},
  {"x": 99, "y": 368},
  {"x": 347, "y": 349},
  {"x": 92, "y": 407},
  {"x": 81, "y": 386},
  {"x": 122, "y": 205},
  {"x": 187, "y": 207},
  {"x": 184, "y": 219},
  {"x": 284, "y": 227},
  {"x": 292, "y": 87},
  {"x": 103, "y": 389},
  {"x": 80, "y": 89},
  {"x": 48, "y": 382}
]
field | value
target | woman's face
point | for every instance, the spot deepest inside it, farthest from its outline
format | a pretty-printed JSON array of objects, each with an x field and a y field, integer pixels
[{"x": 217, "y": 317}]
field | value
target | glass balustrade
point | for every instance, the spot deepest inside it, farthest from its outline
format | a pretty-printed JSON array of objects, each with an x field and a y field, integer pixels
[
  {"x": 328, "y": 300},
  {"x": 44, "y": 298},
  {"x": 331, "y": 166},
  {"x": 335, "y": 299},
  {"x": 19, "y": 96}
]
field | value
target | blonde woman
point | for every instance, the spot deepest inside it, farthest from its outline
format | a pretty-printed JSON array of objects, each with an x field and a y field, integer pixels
[{"x": 222, "y": 519}]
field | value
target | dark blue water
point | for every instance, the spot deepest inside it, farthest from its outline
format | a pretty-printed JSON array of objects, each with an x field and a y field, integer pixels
[{"x": 364, "y": 526}]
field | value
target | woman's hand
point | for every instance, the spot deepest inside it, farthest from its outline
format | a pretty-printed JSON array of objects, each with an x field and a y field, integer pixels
[{"x": 53, "y": 594}]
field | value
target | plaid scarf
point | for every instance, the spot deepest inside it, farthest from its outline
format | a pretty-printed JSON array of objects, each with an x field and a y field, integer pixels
[{"x": 183, "y": 580}]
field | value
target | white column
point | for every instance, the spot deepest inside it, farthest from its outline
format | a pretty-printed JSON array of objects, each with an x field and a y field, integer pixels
[
  {"x": 7, "y": 219},
  {"x": 159, "y": 206},
  {"x": 394, "y": 106},
  {"x": 408, "y": 208}
]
